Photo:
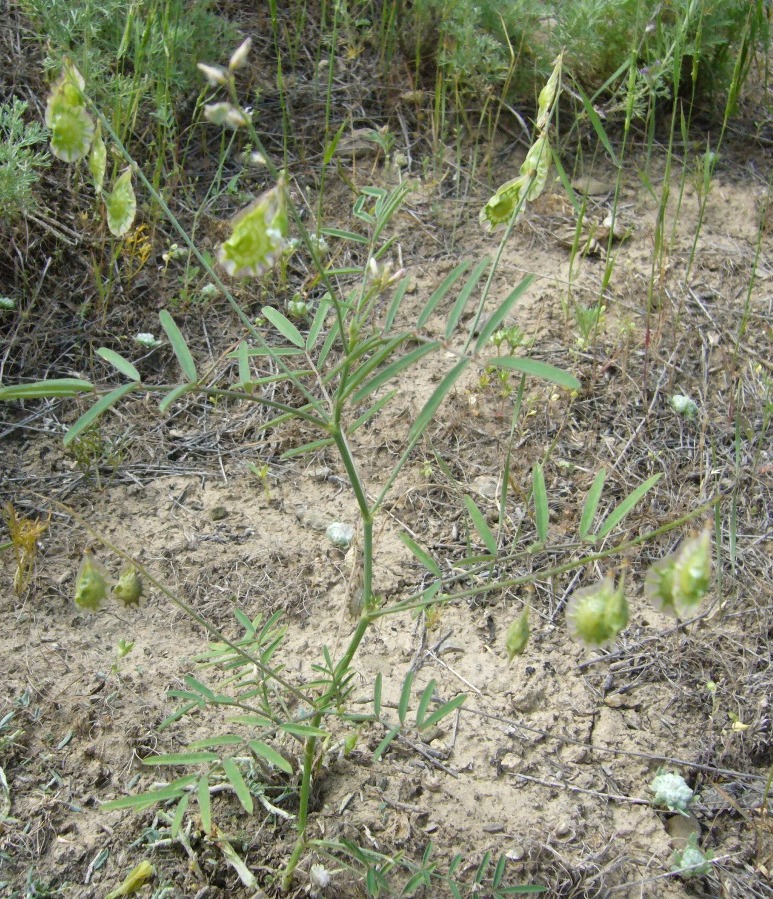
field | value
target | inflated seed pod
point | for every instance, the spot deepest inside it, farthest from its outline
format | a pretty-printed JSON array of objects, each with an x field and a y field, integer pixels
[
  {"x": 659, "y": 584},
  {"x": 91, "y": 585},
  {"x": 678, "y": 582},
  {"x": 692, "y": 573},
  {"x": 129, "y": 587},
  {"x": 517, "y": 635},
  {"x": 596, "y": 614}
]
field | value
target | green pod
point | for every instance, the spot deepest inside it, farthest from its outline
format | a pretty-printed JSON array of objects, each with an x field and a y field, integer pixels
[
  {"x": 91, "y": 585},
  {"x": 659, "y": 584},
  {"x": 517, "y": 635},
  {"x": 596, "y": 614},
  {"x": 129, "y": 587},
  {"x": 692, "y": 573}
]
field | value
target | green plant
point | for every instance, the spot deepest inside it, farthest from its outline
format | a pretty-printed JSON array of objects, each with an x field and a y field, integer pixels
[
  {"x": 337, "y": 371},
  {"x": 614, "y": 50},
  {"x": 671, "y": 791},
  {"x": 20, "y": 164},
  {"x": 24, "y": 534},
  {"x": 93, "y": 452},
  {"x": 692, "y": 861},
  {"x": 136, "y": 56},
  {"x": 590, "y": 321}
]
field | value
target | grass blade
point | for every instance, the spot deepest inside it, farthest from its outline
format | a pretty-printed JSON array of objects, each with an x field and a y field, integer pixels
[
  {"x": 311, "y": 447},
  {"x": 481, "y": 525},
  {"x": 175, "y": 395},
  {"x": 344, "y": 235},
  {"x": 537, "y": 370},
  {"x": 441, "y": 291},
  {"x": 319, "y": 320},
  {"x": 179, "y": 345},
  {"x": 181, "y": 758},
  {"x": 371, "y": 411},
  {"x": 421, "y": 554},
  {"x": 377, "y": 696},
  {"x": 427, "y": 413},
  {"x": 394, "y": 306},
  {"x": 541, "y": 508},
  {"x": 332, "y": 336},
  {"x": 118, "y": 361},
  {"x": 595, "y": 121},
  {"x": 405, "y": 697},
  {"x": 179, "y": 814},
  {"x": 464, "y": 296},
  {"x": 591, "y": 503},
  {"x": 424, "y": 701},
  {"x": 222, "y": 740},
  {"x": 243, "y": 357},
  {"x": 97, "y": 409},
  {"x": 394, "y": 369},
  {"x": 384, "y": 744},
  {"x": 498, "y": 317},
  {"x": 303, "y": 730},
  {"x": 198, "y": 687},
  {"x": 619, "y": 513},
  {"x": 285, "y": 327},
  {"x": 56, "y": 387},
  {"x": 205, "y": 805},
  {"x": 444, "y": 710},
  {"x": 499, "y": 872},
  {"x": 236, "y": 780},
  {"x": 565, "y": 182},
  {"x": 383, "y": 351},
  {"x": 173, "y": 790},
  {"x": 269, "y": 754},
  {"x": 268, "y": 351}
]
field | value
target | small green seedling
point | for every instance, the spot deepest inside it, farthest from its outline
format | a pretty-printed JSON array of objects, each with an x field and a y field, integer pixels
[{"x": 692, "y": 861}]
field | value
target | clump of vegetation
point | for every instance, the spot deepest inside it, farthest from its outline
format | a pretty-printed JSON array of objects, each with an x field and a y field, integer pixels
[
  {"x": 488, "y": 44},
  {"x": 138, "y": 57},
  {"x": 20, "y": 162}
]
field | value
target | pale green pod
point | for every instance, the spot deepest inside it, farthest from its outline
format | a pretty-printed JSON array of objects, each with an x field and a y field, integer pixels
[
  {"x": 692, "y": 573},
  {"x": 596, "y": 614},
  {"x": 129, "y": 587},
  {"x": 547, "y": 95},
  {"x": 517, "y": 635},
  {"x": 72, "y": 132},
  {"x": 121, "y": 205},
  {"x": 659, "y": 584},
  {"x": 259, "y": 236},
  {"x": 678, "y": 582},
  {"x": 91, "y": 584}
]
